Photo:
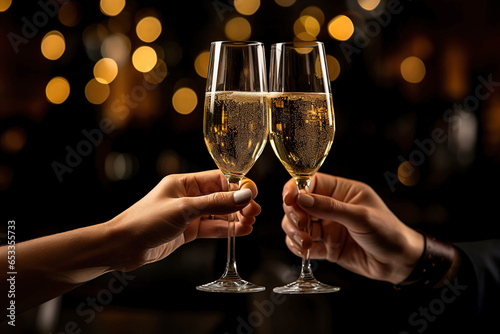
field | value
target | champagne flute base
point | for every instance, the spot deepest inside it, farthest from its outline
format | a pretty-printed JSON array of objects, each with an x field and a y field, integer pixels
[
  {"x": 302, "y": 286},
  {"x": 224, "y": 285}
]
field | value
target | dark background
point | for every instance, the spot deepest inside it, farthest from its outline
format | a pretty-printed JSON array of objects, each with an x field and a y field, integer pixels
[{"x": 380, "y": 118}]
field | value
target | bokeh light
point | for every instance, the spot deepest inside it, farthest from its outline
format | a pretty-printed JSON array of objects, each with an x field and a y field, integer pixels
[
  {"x": 184, "y": 100},
  {"x": 144, "y": 59},
  {"x": 93, "y": 37},
  {"x": 57, "y": 90},
  {"x": 315, "y": 12},
  {"x": 341, "y": 28},
  {"x": 333, "y": 67},
  {"x": 368, "y": 4},
  {"x": 53, "y": 45},
  {"x": 120, "y": 166},
  {"x": 157, "y": 74},
  {"x": 70, "y": 13},
  {"x": 4, "y": 5},
  {"x": 169, "y": 162},
  {"x": 413, "y": 69},
  {"x": 408, "y": 174},
  {"x": 105, "y": 70},
  {"x": 201, "y": 63},
  {"x": 285, "y": 3},
  {"x": 112, "y": 7},
  {"x": 306, "y": 28},
  {"x": 13, "y": 140},
  {"x": 246, "y": 7},
  {"x": 238, "y": 29},
  {"x": 116, "y": 47},
  {"x": 148, "y": 29},
  {"x": 96, "y": 92}
]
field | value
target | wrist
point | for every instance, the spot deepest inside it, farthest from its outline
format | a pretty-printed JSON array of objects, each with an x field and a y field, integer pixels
[
  {"x": 122, "y": 252},
  {"x": 412, "y": 250},
  {"x": 438, "y": 260}
]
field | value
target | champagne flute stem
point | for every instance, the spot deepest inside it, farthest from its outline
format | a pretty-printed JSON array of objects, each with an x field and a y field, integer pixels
[
  {"x": 231, "y": 271},
  {"x": 306, "y": 273}
]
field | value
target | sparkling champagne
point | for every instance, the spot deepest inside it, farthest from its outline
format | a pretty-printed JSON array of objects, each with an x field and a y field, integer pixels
[
  {"x": 235, "y": 129},
  {"x": 302, "y": 127}
]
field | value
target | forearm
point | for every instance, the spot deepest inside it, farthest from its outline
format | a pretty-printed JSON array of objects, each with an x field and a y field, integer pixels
[{"x": 50, "y": 266}]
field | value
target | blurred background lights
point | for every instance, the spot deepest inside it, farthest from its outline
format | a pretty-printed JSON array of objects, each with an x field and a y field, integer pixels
[
  {"x": 341, "y": 28},
  {"x": 96, "y": 92},
  {"x": 285, "y": 3},
  {"x": 53, "y": 45},
  {"x": 184, "y": 100},
  {"x": 70, "y": 13},
  {"x": 246, "y": 7},
  {"x": 368, "y": 4},
  {"x": 120, "y": 166},
  {"x": 13, "y": 140},
  {"x": 116, "y": 47},
  {"x": 169, "y": 162},
  {"x": 93, "y": 36},
  {"x": 157, "y": 74},
  {"x": 105, "y": 70},
  {"x": 315, "y": 12},
  {"x": 413, "y": 69},
  {"x": 4, "y": 5},
  {"x": 408, "y": 174},
  {"x": 57, "y": 90},
  {"x": 238, "y": 29},
  {"x": 333, "y": 67},
  {"x": 144, "y": 59},
  {"x": 306, "y": 28},
  {"x": 148, "y": 29},
  {"x": 201, "y": 63},
  {"x": 112, "y": 7}
]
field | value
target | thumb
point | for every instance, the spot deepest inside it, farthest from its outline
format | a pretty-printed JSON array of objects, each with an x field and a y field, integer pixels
[
  {"x": 219, "y": 202},
  {"x": 324, "y": 207}
]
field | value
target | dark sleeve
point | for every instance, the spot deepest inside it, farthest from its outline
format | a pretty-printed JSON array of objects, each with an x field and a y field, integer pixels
[{"x": 484, "y": 257}]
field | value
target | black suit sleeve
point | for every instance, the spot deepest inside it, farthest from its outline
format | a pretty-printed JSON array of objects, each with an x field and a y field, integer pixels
[{"x": 484, "y": 259}]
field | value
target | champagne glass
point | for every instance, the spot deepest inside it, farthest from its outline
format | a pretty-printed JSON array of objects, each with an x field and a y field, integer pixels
[
  {"x": 302, "y": 127},
  {"x": 235, "y": 126}
]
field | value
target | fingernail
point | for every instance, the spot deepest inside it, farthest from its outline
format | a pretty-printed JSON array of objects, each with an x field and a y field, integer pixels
[
  {"x": 295, "y": 218},
  {"x": 242, "y": 196},
  {"x": 306, "y": 200}
]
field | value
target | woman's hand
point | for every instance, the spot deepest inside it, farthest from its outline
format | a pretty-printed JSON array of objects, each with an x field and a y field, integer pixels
[
  {"x": 351, "y": 226},
  {"x": 180, "y": 209}
]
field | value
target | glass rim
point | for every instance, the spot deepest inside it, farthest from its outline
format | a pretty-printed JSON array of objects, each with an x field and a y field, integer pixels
[
  {"x": 237, "y": 43},
  {"x": 297, "y": 44}
]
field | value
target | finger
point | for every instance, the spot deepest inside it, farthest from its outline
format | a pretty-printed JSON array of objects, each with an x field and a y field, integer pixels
[
  {"x": 202, "y": 183},
  {"x": 290, "y": 192},
  {"x": 301, "y": 239},
  {"x": 248, "y": 183},
  {"x": 297, "y": 215},
  {"x": 215, "y": 203},
  {"x": 218, "y": 229},
  {"x": 251, "y": 210},
  {"x": 293, "y": 247},
  {"x": 318, "y": 251},
  {"x": 324, "y": 207}
]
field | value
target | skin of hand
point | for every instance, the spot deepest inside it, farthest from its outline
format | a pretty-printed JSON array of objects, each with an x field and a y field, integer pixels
[
  {"x": 182, "y": 208},
  {"x": 351, "y": 226},
  {"x": 178, "y": 210}
]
